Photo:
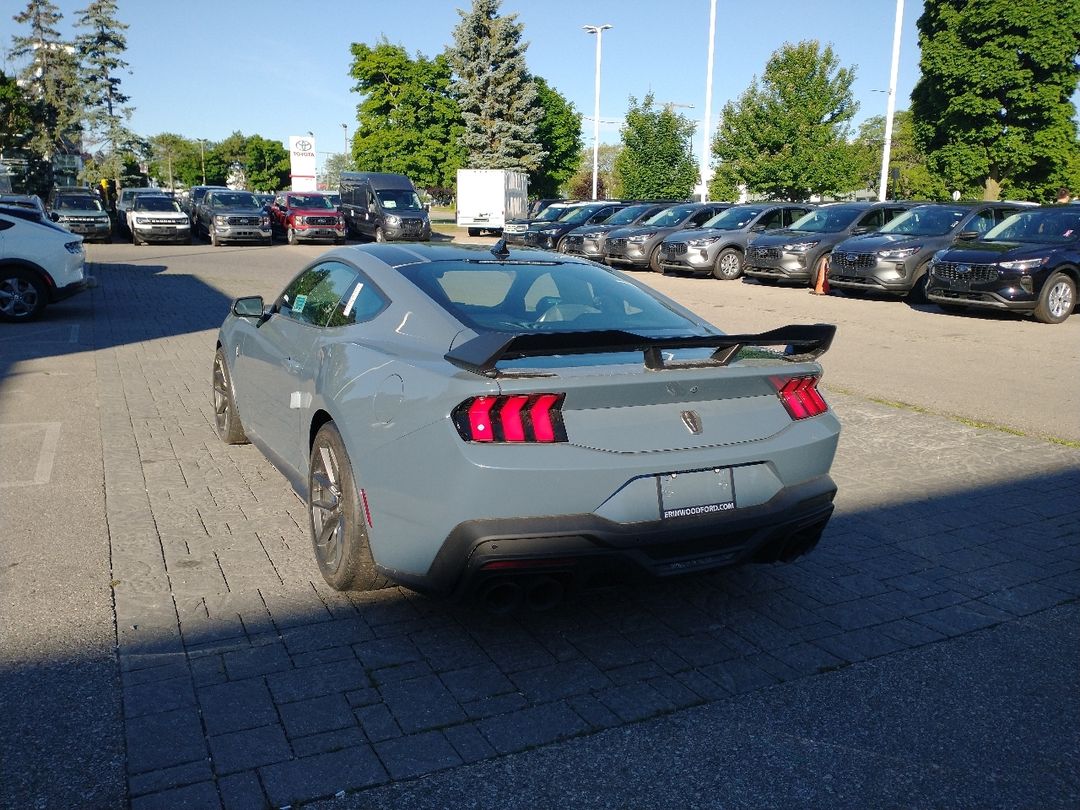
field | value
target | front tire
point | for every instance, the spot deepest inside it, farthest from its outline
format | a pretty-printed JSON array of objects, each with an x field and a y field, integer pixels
[
  {"x": 291, "y": 237},
  {"x": 380, "y": 236},
  {"x": 1057, "y": 299},
  {"x": 728, "y": 265},
  {"x": 211, "y": 234},
  {"x": 338, "y": 527},
  {"x": 22, "y": 295},
  {"x": 226, "y": 419},
  {"x": 917, "y": 293},
  {"x": 654, "y": 261}
]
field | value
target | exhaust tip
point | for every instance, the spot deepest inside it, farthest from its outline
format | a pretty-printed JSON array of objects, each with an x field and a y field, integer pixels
[
  {"x": 502, "y": 597},
  {"x": 544, "y": 593}
]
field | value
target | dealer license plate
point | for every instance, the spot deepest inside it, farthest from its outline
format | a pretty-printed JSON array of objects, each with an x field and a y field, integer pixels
[{"x": 687, "y": 494}]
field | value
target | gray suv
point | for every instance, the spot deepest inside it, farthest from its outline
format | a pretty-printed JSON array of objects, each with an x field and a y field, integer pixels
[
  {"x": 639, "y": 246},
  {"x": 82, "y": 214},
  {"x": 719, "y": 246},
  {"x": 894, "y": 260},
  {"x": 798, "y": 253},
  {"x": 588, "y": 240},
  {"x": 233, "y": 216}
]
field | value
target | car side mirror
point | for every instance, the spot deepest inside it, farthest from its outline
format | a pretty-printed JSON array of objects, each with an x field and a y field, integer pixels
[
  {"x": 248, "y": 307},
  {"x": 968, "y": 235},
  {"x": 861, "y": 231},
  {"x": 55, "y": 217}
]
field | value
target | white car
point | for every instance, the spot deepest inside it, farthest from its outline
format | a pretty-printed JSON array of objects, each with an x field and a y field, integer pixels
[
  {"x": 39, "y": 265},
  {"x": 127, "y": 199}
]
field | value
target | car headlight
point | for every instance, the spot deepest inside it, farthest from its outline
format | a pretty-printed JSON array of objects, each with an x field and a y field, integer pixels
[
  {"x": 704, "y": 241},
  {"x": 639, "y": 239},
  {"x": 549, "y": 231},
  {"x": 899, "y": 253},
  {"x": 393, "y": 219},
  {"x": 221, "y": 220},
  {"x": 141, "y": 221},
  {"x": 1024, "y": 265},
  {"x": 74, "y": 247},
  {"x": 264, "y": 221},
  {"x": 800, "y": 247}
]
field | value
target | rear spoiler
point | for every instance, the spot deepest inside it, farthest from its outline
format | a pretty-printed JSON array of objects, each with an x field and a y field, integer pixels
[{"x": 801, "y": 342}]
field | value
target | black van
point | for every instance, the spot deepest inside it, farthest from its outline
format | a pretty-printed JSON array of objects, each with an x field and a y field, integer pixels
[{"x": 383, "y": 207}]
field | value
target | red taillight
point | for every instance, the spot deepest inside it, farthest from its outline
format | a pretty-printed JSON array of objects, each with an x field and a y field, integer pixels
[
  {"x": 517, "y": 418},
  {"x": 801, "y": 398}
]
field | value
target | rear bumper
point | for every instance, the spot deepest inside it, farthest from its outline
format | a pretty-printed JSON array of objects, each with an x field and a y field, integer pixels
[
  {"x": 580, "y": 549},
  {"x": 68, "y": 290}
]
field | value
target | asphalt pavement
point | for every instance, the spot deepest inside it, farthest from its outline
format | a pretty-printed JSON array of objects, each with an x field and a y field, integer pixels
[{"x": 166, "y": 640}]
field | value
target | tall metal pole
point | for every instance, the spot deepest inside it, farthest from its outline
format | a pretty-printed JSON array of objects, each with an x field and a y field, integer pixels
[
  {"x": 345, "y": 128},
  {"x": 708, "y": 106},
  {"x": 202, "y": 160},
  {"x": 599, "y": 31},
  {"x": 891, "y": 107}
]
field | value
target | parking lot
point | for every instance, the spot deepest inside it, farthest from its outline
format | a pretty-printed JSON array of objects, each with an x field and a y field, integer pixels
[{"x": 168, "y": 641}]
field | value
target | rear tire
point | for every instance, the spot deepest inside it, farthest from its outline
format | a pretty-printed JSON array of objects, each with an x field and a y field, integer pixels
[
  {"x": 474, "y": 231},
  {"x": 336, "y": 517},
  {"x": 22, "y": 295},
  {"x": 1057, "y": 299},
  {"x": 728, "y": 265}
]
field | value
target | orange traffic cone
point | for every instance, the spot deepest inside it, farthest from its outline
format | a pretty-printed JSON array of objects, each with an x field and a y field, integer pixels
[{"x": 821, "y": 281}]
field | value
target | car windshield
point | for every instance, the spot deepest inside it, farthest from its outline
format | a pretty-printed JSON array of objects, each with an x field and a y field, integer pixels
[
  {"x": 579, "y": 215},
  {"x": 627, "y": 215},
  {"x": 78, "y": 204},
  {"x": 235, "y": 200},
  {"x": 546, "y": 297},
  {"x": 926, "y": 220},
  {"x": 156, "y": 204},
  {"x": 317, "y": 201},
  {"x": 733, "y": 218},
  {"x": 552, "y": 213},
  {"x": 394, "y": 198},
  {"x": 671, "y": 216},
  {"x": 827, "y": 220},
  {"x": 1055, "y": 226}
]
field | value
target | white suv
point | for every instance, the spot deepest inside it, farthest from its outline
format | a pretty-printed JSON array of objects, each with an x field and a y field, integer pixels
[{"x": 39, "y": 264}]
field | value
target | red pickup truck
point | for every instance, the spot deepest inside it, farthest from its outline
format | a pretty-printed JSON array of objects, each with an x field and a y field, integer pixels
[{"x": 306, "y": 216}]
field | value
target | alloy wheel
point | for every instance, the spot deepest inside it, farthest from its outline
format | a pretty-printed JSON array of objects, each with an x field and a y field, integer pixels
[
  {"x": 326, "y": 508},
  {"x": 18, "y": 297}
]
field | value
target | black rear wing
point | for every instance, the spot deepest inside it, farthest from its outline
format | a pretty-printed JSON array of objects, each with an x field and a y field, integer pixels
[{"x": 801, "y": 342}]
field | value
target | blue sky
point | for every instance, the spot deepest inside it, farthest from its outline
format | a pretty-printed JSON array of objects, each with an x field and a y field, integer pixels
[{"x": 205, "y": 68}]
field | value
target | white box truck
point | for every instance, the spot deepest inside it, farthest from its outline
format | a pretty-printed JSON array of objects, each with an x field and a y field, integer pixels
[{"x": 487, "y": 198}]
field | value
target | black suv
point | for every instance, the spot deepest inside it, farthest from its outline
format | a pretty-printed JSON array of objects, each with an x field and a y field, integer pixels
[
  {"x": 894, "y": 259},
  {"x": 552, "y": 235},
  {"x": 798, "y": 253},
  {"x": 1028, "y": 263}
]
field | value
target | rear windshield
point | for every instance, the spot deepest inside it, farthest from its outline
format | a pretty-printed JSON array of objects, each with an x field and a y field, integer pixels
[
  {"x": 926, "y": 220},
  {"x": 549, "y": 297},
  {"x": 1056, "y": 226},
  {"x": 827, "y": 220}
]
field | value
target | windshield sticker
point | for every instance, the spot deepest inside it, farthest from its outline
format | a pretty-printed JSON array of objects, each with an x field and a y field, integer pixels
[
  {"x": 299, "y": 303},
  {"x": 352, "y": 299}
]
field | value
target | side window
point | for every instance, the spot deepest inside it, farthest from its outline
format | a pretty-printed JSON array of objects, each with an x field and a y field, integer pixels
[
  {"x": 891, "y": 214},
  {"x": 871, "y": 219},
  {"x": 362, "y": 304},
  {"x": 1002, "y": 214},
  {"x": 372, "y": 203},
  {"x": 792, "y": 214},
  {"x": 773, "y": 219},
  {"x": 981, "y": 222},
  {"x": 312, "y": 296},
  {"x": 701, "y": 216}
]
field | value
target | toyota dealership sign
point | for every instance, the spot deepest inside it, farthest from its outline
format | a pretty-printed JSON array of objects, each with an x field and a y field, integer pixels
[{"x": 302, "y": 162}]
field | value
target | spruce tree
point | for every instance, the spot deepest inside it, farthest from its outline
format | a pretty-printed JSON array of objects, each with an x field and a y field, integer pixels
[
  {"x": 100, "y": 52},
  {"x": 497, "y": 96},
  {"x": 50, "y": 78}
]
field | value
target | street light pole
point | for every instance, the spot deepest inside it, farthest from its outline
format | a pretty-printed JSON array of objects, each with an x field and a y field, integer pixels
[
  {"x": 202, "y": 159},
  {"x": 599, "y": 31},
  {"x": 708, "y": 106},
  {"x": 345, "y": 129},
  {"x": 891, "y": 106}
]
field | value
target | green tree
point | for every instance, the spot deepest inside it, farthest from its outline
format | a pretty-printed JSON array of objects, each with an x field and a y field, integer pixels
[
  {"x": 559, "y": 132},
  {"x": 993, "y": 107},
  {"x": 51, "y": 82},
  {"x": 655, "y": 161},
  {"x": 408, "y": 121},
  {"x": 16, "y": 116},
  {"x": 915, "y": 181},
  {"x": 498, "y": 98},
  {"x": 266, "y": 164},
  {"x": 100, "y": 51},
  {"x": 579, "y": 185},
  {"x": 166, "y": 152},
  {"x": 335, "y": 165},
  {"x": 787, "y": 134}
]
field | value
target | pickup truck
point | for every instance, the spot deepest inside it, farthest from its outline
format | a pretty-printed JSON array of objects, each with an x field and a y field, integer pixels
[
  {"x": 233, "y": 216},
  {"x": 306, "y": 216}
]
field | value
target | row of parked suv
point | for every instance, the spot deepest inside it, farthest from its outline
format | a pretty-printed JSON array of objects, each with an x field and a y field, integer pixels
[{"x": 1005, "y": 256}]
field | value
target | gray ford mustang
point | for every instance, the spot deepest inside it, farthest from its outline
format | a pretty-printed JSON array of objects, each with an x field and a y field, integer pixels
[{"x": 516, "y": 423}]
